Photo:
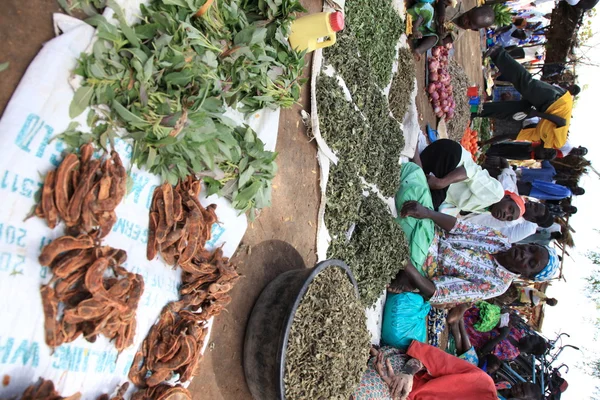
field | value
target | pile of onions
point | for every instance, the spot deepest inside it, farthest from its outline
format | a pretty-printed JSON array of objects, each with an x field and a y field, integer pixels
[{"x": 440, "y": 88}]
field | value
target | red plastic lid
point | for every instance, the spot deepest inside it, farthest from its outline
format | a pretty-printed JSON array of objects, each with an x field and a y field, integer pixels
[{"x": 336, "y": 20}]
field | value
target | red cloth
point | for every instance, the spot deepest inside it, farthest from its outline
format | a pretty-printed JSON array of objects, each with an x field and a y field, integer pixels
[
  {"x": 518, "y": 201},
  {"x": 448, "y": 377}
]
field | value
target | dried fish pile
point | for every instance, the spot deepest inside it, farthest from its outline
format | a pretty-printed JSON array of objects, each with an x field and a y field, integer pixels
[
  {"x": 95, "y": 294},
  {"x": 462, "y": 112},
  {"x": 174, "y": 344},
  {"x": 84, "y": 192},
  {"x": 376, "y": 250},
  {"x": 163, "y": 392},
  {"x": 328, "y": 345},
  {"x": 44, "y": 390},
  {"x": 179, "y": 225},
  {"x": 403, "y": 84}
]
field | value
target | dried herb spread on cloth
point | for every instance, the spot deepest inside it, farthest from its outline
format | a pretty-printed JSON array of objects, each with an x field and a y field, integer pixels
[
  {"x": 328, "y": 345},
  {"x": 377, "y": 247}
]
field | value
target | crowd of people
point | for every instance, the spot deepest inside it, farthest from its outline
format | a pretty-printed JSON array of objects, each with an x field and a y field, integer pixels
[{"x": 480, "y": 235}]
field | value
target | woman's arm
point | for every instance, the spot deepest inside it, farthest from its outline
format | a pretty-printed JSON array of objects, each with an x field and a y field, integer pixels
[
  {"x": 489, "y": 346},
  {"x": 458, "y": 175},
  {"x": 416, "y": 210}
]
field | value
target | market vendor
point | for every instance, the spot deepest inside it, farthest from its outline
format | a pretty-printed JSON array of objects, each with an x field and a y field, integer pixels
[
  {"x": 423, "y": 372},
  {"x": 536, "y": 215},
  {"x": 518, "y": 150},
  {"x": 552, "y": 104},
  {"x": 547, "y": 190},
  {"x": 441, "y": 23},
  {"x": 458, "y": 184},
  {"x": 466, "y": 263},
  {"x": 494, "y": 330},
  {"x": 519, "y": 391}
]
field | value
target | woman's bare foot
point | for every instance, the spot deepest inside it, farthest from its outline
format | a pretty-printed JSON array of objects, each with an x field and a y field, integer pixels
[
  {"x": 401, "y": 283},
  {"x": 457, "y": 313}
]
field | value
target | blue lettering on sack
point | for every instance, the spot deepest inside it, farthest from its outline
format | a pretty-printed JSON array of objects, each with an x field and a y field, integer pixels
[
  {"x": 26, "y": 187},
  {"x": 79, "y": 359},
  {"x": 216, "y": 231},
  {"x": 139, "y": 183},
  {"x": 27, "y": 353},
  {"x": 10, "y": 262},
  {"x": 131, "y": 230},
  {"x": 9, "y": 234},
  {"x": 31, "y": 127}
]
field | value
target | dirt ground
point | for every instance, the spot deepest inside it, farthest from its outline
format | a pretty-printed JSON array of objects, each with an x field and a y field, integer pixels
[{"x": 282, "y": 238}]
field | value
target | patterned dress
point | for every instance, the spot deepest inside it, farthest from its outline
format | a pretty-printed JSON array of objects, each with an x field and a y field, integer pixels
[
  {"x": 371, "y": 386},
  {"x": 504, "y": 350},
  {"x": 461, "y": 265}
]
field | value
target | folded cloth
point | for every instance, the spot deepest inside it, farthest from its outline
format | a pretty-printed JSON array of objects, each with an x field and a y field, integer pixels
[{"x": 419, "y": 232}]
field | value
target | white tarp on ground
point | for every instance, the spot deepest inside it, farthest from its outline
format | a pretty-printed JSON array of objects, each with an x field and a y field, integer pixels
[
  {"x": 36, "y": 113},
  {"x": 410, "y": 128}
]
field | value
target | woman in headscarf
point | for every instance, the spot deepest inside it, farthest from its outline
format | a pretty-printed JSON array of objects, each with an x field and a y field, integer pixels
[
  {"x": 423, "y": 372},
  {"x": 458, "y": 184},
  {"x": 452, "y": 261}
]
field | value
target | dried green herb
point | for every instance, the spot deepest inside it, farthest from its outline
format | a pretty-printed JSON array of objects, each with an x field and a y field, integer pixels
[
  {"x": 462, "y": 112},
  {"x": 377, "y": 27},
  {"x": 376, "y": 250},
  {"x": 402, "y": 84},
  {"x": 328, "y": 345}
]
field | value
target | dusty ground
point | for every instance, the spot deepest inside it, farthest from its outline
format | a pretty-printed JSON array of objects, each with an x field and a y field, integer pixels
[
  {"x": 282, "y": 238},
  {"x": 467, "y": 54}
]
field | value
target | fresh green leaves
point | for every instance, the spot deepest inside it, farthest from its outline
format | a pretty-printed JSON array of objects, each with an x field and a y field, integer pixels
[
  {"x": 81, "y": 100},
  {"x": 168, "y": 79},
  {"x": 4, "y": 66}
]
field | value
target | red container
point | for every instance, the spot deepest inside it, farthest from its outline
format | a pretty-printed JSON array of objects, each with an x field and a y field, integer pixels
[{"x": 473, "y": 91}]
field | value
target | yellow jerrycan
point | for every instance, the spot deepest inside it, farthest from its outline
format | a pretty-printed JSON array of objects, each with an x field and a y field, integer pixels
[{"x": 307, "y": 31}]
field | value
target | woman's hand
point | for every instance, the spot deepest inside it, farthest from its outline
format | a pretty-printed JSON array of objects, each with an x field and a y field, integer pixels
[
  {"x": 413, "y": 209},
  {"x": 400, "y": 385},
  {"x": 435, "y": 183}
]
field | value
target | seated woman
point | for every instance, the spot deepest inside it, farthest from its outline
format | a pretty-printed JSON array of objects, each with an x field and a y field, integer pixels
[
  {"x": 466, "y": 263},
  {"x": 423, "y": 372},
  {"x": 457, "y": 183},
  {"x": 440, "y": 24},
  {"x": 505, "y": 342}
]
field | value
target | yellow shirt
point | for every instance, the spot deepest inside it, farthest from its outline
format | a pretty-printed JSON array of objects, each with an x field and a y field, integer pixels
[{"x": 552, "y": 136}]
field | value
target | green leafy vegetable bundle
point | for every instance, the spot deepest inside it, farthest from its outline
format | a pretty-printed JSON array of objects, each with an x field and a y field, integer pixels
[{"x": 168, "y": 79}]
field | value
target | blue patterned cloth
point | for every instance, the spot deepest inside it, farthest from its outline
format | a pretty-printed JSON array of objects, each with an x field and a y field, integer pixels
[
  {"x": 436, "y": 324},
  {"x": 470, "y": 356},
  {"x": 550, "y": 269}
]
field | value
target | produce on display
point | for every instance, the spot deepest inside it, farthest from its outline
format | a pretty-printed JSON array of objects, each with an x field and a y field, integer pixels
[
  {"x": 469, "y": 142},
  {"x": 403, "y": 84},
  {"x": 163, "y": 392},
  {"x": 377, "y": 27},
  {"x": 462, "y": 111},
  {"x": 503, "y": 15},
  {"x": 179, "y": 225},
  {"x": 44, "y": 390},
  {"x": 174, "y": 344},
  {"x": 440, "y": 87},
  {"x": 84, "y": 192},
  {"x": 168, "y": 79},
  {"x": 328, "y": 344},
  {"x": 376, "y": 250},
  {"x": 89, "y": 294}
]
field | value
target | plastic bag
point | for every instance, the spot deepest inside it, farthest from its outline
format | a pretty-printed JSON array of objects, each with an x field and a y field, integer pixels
[{"x": 404, "y": 320}]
